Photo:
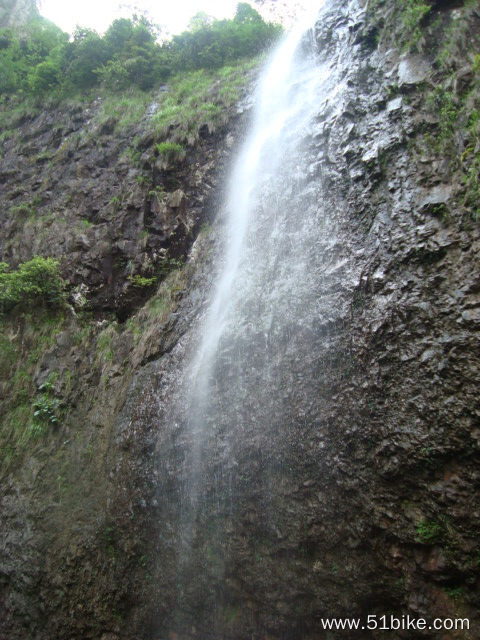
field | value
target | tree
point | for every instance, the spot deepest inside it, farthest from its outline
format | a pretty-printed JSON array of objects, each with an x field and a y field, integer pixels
[
  {"x": 40, "y": 58},
  {"x": 134, "y": 55},
  {"x": 199, "y": 21},
  {"x": 246, "y": 14},
  {"x": 87, "y": 53}
]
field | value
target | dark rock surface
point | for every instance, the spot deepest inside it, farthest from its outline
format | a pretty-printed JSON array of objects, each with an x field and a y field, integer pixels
[
  {"x": 96, "y": 196},
  {"x": 356, "y": 491}
]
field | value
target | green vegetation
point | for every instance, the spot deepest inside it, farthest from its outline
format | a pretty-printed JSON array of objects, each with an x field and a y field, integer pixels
[
  {"x": 205, "y": 70},
  {"x": 115, "y": 202},
  {"x": 455, "y": 104},
  {"x": 35, "y": 283},
  {"x": 24, "y": 338},
  {"x": 454, "y": 101},
  {"x": 166, "y": 267},
  {"x": 25, "y": 209},
  {"x": 213, "y": 44},
  {"x": 42, "y": 60},
  {"x": 443, "y": 103},
  {"x": 198, "y": 98},
  {"x": 123, "y": 109},
  {"x": 105, "y": 343},
  {"x": 45, "y": 410},
  {"x": 22, "y": 209},
  {"x": 165, "y": 301},
  {"x": 46, "y": 406},
  {"x": 429, "y": 531},
  {"x": 169, "y": 150},
  {"x": 455, "y": 592},
  {"x": 16, "y": 111},
  {"x": 412, "y": 14},
  {"x": 470, "y": 158},
  {"x": 404, "y": 28},
  {"x": 169, "y": 264},
  {"x": 142, "y": 282}
]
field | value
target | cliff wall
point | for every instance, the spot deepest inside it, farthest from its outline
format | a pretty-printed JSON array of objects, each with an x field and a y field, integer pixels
[{"x": 361, "y": 495}]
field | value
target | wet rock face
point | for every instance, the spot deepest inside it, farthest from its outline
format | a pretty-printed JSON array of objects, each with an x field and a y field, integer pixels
[
  {"x": 346, "y": 483},
  {"x": 78, "y": 187},
  {"x": 354, "y": 490}
]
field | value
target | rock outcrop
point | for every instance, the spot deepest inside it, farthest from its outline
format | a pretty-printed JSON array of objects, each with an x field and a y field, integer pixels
[
  {"x": 98, "y": 196},
  {"x": 15, "y": 13}
]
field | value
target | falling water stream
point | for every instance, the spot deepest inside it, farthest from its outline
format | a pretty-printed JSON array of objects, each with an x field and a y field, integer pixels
[
  {"x": 286, "y": 102},
  {"x": 240, "y": 391},
  {"x": 261, "y": 281}
]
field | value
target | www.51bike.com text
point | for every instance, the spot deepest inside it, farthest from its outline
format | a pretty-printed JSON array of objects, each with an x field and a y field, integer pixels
[{"x": 395, "y": 623}]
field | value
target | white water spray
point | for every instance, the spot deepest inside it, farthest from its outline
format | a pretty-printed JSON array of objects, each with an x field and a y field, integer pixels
[
  {"x": 240, "y": 405},
  {"x": 286, "y": 101}
]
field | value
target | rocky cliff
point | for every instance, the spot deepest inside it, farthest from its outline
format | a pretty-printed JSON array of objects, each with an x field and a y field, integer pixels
[
  {"x": 358, "y": 497},
  {"x": 17, "y": 12}
]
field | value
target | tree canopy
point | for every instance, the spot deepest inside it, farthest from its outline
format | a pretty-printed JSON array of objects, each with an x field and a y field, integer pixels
[{"x": 41, "y": 58}]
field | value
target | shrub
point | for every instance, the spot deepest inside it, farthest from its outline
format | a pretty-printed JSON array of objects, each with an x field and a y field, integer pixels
[
  {"x": 169, "y": 150},
  {"x": 23, "y": 209},
  {"x": 213, "y": 44},
  {"x": 35, "y": 282},
  {"x": 429, "y": 531},
  {"x": 413, "y": 13},
  {"x": 141, "y": 281},
  {"x": 404, "y": 27},
  {"x": 88, "y": 52},
  {"x": 45, "y": 76},
  {"x": 46, "y": 409}
]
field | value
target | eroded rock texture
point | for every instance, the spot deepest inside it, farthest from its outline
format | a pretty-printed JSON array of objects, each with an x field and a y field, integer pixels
[
  {"x": 351, "y": 485},
  {"x": 102, "y": 200},
  {"x": 16, "y": 12}
]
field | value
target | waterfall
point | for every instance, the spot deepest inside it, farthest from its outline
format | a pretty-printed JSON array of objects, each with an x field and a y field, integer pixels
[
  {"x": 240, "y": 410},
  {"x": 286, "y": 101},
  {"x": 258, "y": 289}
]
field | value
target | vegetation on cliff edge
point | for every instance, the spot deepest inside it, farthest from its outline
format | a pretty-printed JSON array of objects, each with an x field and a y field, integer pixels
[
  {"x": 35, "y": 283},
  {"x": 452, "y": 94},
  {"x": 42, "y": 60}
]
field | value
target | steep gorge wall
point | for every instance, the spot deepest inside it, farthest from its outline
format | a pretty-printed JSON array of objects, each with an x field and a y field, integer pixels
[
  {"x": 361, "y": 497},
  {"x": 96, "y": 194},
  {"x": 17, "y": 12}
]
